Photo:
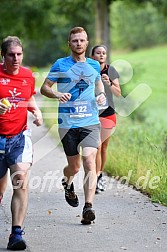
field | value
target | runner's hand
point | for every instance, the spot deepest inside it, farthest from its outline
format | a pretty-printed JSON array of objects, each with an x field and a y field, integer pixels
[
  {"x": 101, "y": 99},
  {"x": 39, "y": 120},
  {"x": 64, "y": 97},
  {"x": 106, "y": 79}
]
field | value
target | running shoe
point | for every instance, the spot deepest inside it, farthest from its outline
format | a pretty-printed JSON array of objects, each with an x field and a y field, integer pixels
[
  {"x": 16, "y": 241},
  {"x": 88, "y": 214},
  {"x": 101, "y": 186},
  {"x": 70, "y": 195},
  {"x": 97, "y": 190}
]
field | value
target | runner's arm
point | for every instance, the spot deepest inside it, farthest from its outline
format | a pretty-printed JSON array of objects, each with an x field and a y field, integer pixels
[
  {"x": 33, "y": 108},
  {"x": 100, "y": 93},
  {"x": 47, "y": 91},
  {"x": 113, "y": 84}
]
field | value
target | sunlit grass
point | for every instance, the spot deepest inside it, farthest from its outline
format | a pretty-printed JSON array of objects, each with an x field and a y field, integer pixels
[{"x": 139, "y": 145}]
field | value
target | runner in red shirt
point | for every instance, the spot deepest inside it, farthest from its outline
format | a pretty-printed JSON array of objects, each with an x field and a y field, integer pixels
[{"x": 17, "y": 86}]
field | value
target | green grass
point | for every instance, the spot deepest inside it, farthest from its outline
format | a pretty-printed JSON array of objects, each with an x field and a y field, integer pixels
[
  {"x": 138, "y": 147},
  {"x": 139, "y": 144}
]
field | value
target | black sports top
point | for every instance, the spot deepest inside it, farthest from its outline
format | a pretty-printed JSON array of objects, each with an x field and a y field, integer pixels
[{"x": 113, "y": 74}]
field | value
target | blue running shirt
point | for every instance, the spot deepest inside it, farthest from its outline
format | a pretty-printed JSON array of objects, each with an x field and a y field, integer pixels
[{"x": 78, "y": 79}]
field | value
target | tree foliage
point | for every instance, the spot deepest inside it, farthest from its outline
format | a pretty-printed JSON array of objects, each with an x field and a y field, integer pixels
[
  {"x": 138, "y": 27},
  {"x": 43, "y": 25},
  {"x": 160, "y": 5}
]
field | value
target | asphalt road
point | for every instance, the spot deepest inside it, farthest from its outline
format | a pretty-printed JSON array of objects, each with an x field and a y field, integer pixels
[{"x": 125, "y": 220}]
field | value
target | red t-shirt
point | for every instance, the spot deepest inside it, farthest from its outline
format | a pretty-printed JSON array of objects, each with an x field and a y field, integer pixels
[{"x": 17, "y": 89}]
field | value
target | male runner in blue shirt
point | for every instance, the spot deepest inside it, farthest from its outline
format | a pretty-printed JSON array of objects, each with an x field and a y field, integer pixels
[{"x": 79, "y": 90}]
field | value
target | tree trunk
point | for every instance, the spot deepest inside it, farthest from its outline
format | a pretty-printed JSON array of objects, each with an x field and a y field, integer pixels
[{"x": 102, "y": 33}]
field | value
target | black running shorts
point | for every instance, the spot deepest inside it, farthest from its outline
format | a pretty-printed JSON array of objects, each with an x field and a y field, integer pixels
[{"x": 74, "y": 138}]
